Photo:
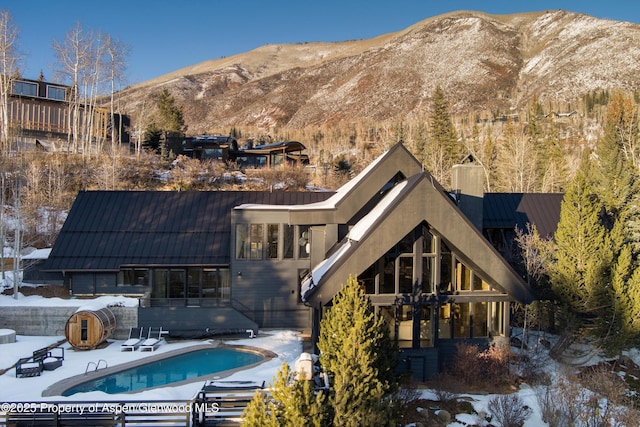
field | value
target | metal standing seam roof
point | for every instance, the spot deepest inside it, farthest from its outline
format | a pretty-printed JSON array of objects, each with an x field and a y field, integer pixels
[
  {"x": 107, "y": 229},
  {"x": 508, "y": 210}
]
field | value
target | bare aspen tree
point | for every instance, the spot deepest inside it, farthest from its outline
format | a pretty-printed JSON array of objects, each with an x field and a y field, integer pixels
[
  {"x": 72, "y": 54},
  {"x": 9, "y": 59},
  {"x": 116, "y": 52}
]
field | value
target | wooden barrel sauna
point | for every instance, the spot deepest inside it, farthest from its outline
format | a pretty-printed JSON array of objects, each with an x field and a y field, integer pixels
[{"x": 87, "y": 329}]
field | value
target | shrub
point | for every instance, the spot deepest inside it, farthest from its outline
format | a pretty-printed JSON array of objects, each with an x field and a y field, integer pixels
[
  {"x": 509, "y": 410},
  {"x": 476, "y": 368}
]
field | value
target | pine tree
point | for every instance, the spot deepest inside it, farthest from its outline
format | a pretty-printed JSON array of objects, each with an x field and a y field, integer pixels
[
  {"x": 291, "y": 403},
  {"x": 580, "y": 274},
  {"x": 443, "y": 150},
  {"x": 358, "y": 353}
]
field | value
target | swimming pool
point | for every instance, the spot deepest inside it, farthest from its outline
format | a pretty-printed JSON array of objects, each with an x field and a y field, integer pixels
[{"x": 183, "y": 367}]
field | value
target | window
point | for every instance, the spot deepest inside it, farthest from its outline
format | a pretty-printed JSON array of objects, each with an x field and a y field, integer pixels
[
  {"x": 287, "y": 241},
  {"x": 405, "y": 273},
  {"x": 463, "y": 277},
  {"x": 445, "y": 268},
  {"x": 368, "y": 280},
  {"x": 256, "y": 236},
  {"x": 133, "y": 277},
  {"x": 25, "y": 88},
  {"x": 480, "y": 328},
  {"x": 249, "y": 241},
  {"x": 428, "y": 274},
  {"x": 55, "y": 92},
  {"x": 461, "y": 320},
  {"x": 242, "y": 241},
  {"x": 273, "y": 234},
  {"x": 479, "y": 284},
  {"x": 428, "y": 242},
  {"x": 84, "y": 330},
  {"x": 388, "y": 276},
  {"x": 304, "y": 241}
]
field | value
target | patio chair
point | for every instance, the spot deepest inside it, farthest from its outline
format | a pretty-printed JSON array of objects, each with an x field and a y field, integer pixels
[
  {"x": 154, "y": 339},
  {"x": 133, "y": 342}
]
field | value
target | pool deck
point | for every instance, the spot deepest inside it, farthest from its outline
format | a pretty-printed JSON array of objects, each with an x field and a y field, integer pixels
[{"x": 61, "y": 386}]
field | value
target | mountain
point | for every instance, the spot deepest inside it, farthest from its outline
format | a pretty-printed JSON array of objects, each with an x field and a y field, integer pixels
[{"x": 485, "y": 64}]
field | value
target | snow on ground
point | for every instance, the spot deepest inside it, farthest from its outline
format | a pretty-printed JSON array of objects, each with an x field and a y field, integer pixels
[
  {"x": 285, "y": 343},
  {"x": 38, "y": 301}
]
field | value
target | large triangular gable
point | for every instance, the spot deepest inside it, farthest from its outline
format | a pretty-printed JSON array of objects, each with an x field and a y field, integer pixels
[
  {"x": 412, "y": 202},
  {"x": 349, "y": 199}
]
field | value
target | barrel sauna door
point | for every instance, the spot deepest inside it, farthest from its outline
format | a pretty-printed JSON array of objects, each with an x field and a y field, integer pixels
[{"x": 81, "y": 331}]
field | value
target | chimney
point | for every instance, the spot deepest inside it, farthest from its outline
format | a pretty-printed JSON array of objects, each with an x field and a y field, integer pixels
[{"x": 467, "y": 184}]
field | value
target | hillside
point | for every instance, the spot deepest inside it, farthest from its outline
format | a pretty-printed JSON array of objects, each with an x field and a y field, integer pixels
[{"x": 486, "y": 64}]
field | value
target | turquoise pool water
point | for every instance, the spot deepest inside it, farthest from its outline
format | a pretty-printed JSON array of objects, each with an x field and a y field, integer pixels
[{"x": 170, "y": 370}]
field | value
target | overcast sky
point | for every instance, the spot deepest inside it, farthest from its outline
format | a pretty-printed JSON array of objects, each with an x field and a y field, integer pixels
[{"x": 166, "y": 35}]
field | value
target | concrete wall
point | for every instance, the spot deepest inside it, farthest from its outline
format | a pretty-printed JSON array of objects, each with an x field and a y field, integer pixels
[{"x": 51, "y": 321}]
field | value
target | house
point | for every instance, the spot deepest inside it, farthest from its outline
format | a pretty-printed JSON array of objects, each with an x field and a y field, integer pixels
[
  {"x": 226, "y": 149},
  {"x": 39, "y": 111},
  {"x": 203, "y": 262}
]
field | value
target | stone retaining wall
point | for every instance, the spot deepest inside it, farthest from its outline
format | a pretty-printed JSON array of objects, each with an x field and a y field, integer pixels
[{"x": 51, "y": 321}]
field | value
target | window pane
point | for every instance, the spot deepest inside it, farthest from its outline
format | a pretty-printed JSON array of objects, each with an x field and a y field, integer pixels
[
  {"x": 480, "y": 319},
  {"x": 388, "y": 276},
  {"x": 24, "y": 88},
  {"x": 405, "y": 246},
  {"x": 405, "y": 279},
  {"x": 405, "y": 326},
  {"x": 388, "y": 313},
  {"x": 287, "y": 241},
  {"x": 479, "y": 284},
  {"x": 304, "y": 241},
  {"x": 497, "y": 318},
  {"x": 54, "y": 92},
  {"x": 210, "y": 283},
  {"x": 463, "y": 277},
  {"x": 427, "y": 274},
  {"x": 225, "y": 283},
  {"x": 256, "y": 241},
  {"x": 428, "y": 242},
  {"x": 368, "y": 280},
  {"x": 445, "y": 268},
  {"x": 242, "y": 241},
  {"x": 461, "y": 320},
  {"x": 193, "y": 283},
  {"x": 176, "y": 283},
  {"x": 426, "y": 331},
  {"x": 272, "y": 240},
  {"x": 444, "y": 322},
  {"x": 160, "y": 280},
  {"x": 140, "y": 277}
]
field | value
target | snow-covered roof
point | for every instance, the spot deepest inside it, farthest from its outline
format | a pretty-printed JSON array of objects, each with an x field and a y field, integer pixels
[
  {"x": 331, "y": 203},
  {"x": 38, "y": 254},
  {"x": 356, "y": 234}
]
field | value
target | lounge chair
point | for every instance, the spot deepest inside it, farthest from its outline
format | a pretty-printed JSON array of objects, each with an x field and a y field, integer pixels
[
  {"x": 154, "y": 339},
  {"x": 133, "y": 342}
]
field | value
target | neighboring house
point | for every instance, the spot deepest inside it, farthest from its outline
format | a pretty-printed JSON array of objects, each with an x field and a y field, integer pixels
[
  {"x": 205, "y": 262},
  {"x": 39, "y": 111},
  {"x": 226, "y": 149}
]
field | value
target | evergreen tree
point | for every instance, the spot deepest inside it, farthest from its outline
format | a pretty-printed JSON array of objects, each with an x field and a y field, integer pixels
[
  {"x": 580, "y": 271},
  {"x": 443, "y": 150},
  {"x": 168, "y": 123},
  {"x": 358, "y": 354},
  {"x": 291, "y": 403}
]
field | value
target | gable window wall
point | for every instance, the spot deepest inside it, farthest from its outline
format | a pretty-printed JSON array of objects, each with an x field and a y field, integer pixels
[{"x": 423, "y": 265}]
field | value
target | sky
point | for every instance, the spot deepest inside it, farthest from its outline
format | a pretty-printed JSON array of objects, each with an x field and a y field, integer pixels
[{"x": 167, "y": 35}]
